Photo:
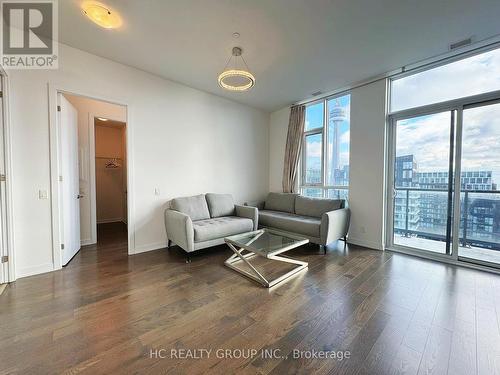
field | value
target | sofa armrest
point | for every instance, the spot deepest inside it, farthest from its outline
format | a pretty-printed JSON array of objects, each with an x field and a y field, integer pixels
[
  {"x": 258, "y": 204},
  {"x": 334, "y": 225},
  {"x": 249, "y": 213},
  {"x": 179, "y": 229}
]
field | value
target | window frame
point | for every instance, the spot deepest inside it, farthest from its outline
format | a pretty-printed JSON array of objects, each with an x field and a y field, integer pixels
[{"x": 324, "y": 131}]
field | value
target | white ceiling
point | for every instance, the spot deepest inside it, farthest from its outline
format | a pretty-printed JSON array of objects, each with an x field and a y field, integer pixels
[{"x": 293, "y": 47}]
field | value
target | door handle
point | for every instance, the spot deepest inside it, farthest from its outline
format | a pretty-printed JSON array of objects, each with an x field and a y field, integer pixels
[{"x": 79, "y": 196}]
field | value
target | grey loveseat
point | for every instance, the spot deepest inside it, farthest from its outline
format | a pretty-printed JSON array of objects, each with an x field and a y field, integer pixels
[
  {"x": 204, "y": 220},
  {"x": 322, "y": 221}
]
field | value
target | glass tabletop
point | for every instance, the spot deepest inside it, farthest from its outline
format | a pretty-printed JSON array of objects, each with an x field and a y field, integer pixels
[{"x": 266, "y": 242}]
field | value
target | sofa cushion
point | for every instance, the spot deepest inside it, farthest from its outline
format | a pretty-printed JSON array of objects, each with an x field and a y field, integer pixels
[
  {"x": 284, "y": 202},
  {"x": 195, "y": 207},
  {"x": 316, "y": 207},
  {"x": 308, "y": 226},
  {"x": 220, "y": 204},
  {"x": 210, "y": 229}
]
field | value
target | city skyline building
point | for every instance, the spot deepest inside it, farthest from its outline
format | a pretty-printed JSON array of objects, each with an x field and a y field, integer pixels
[{"x": 421, "y": 204}]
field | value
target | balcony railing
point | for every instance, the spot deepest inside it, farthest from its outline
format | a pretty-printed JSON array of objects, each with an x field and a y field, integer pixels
[{"x": 422, "y": 213}]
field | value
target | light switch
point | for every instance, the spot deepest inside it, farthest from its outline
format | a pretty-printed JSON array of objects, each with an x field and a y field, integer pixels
[
  {"x": 42, "y": 194},
  {"x": 157, "y": 191}
]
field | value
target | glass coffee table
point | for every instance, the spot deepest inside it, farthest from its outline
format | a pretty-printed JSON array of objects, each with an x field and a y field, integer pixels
[{"x": 265, "y": 243}]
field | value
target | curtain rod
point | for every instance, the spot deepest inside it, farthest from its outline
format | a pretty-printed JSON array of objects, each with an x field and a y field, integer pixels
[{"x": 450, "y": 56}]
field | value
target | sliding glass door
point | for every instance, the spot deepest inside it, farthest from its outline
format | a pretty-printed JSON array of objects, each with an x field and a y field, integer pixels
[
  {"x": 422, "y": 181},
  {"x": 427, "y": 151},
  {"x": 479, "y": 197},
  {"x": 444, "y": 137}
]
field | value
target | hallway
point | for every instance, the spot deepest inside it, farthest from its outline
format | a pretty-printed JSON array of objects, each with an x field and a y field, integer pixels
[{"x": 111, "y": 246}]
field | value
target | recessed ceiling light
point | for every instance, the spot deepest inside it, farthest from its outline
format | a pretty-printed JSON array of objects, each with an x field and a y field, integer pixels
[
  {"x": 102, "y": 15},
  {"x": 102, "y": 119}
]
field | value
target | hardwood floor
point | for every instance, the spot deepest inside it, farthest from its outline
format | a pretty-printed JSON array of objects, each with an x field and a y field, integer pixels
[{"x": 106, "y": 313}]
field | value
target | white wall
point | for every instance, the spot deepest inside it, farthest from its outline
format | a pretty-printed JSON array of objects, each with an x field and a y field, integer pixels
[
  {"x": 278, "y": 129},
  {"x": 184, "y": 142},
  {"x": 367, "y": 166},
  {"x": 366, "y": 185},
  {"x": 86, "y": 107}
]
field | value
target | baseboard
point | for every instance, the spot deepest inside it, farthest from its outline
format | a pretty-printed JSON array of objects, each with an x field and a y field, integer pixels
[
  {"x": 149, "y": 247},
  {"x": 369, "y": 244},
  {"x": 87, "y": 242},
  {"x": 107, "y": 221},
  {"x": 35, "y": 270}
]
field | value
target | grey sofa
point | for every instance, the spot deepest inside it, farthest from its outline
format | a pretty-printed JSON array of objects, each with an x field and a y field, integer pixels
[
  {"x": 322, "y": 221},
  {"x": 204, "y": 220}
]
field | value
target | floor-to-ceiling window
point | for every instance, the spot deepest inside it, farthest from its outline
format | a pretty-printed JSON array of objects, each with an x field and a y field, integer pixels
[
  {"x": 445, "y": 122},
  {"x": 325, "y": 151}
]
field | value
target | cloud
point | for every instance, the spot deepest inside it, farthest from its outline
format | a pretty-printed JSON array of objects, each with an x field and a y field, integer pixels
[
  {"x": 475, "y": 75},
  {"x": 314, "y": 149},
  {"x": 345, "y": 137},
  {"x": 428, "y": 139}
]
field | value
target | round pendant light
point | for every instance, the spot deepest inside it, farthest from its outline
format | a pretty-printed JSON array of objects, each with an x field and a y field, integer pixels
[
  {"x": 101, "y": 15},
  {"x": 236, "y": 79}
]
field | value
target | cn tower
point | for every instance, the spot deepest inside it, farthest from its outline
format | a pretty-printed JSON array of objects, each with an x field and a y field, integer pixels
[{"x": 335, "y": 117}]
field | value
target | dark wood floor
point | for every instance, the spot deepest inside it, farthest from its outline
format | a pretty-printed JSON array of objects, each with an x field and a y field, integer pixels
[{"x": 105, "y": 312}]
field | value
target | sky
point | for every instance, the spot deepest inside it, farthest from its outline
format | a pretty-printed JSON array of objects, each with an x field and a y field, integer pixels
[
  {"x": 427, "y": 137},
  {"x": 471, "y": 76}
]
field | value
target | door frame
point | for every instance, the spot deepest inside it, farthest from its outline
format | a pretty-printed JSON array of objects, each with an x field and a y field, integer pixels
[
  {"x": 8, "y": 268},
  {"x": 457, "y": 105},
  {"x": 53, "y": 90}
]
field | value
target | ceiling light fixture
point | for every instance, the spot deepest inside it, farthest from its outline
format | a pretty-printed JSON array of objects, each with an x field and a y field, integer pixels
[
  {"x": 102, "y": 119},
  {"x": 236, "y": 79},
  {"x": 101, "y": 15}
]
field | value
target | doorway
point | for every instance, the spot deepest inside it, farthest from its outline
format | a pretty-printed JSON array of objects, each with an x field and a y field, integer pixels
[
  {"x": 110, "y": 178},
  {"x": 92, "y": 171}
]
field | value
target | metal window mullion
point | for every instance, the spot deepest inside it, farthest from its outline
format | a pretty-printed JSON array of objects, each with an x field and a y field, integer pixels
[
  {"x": 325, "y": 147},
  {"x": 313, "y": 131},
  {"x": 328, "y": 187},
  {"x": 303, "y": 160},
  {"x": 450, "y": 205},
  {"x": 445, "y": 106},
  {"x": 391, "y": 195},
  {"x": 458, "y": 184}
]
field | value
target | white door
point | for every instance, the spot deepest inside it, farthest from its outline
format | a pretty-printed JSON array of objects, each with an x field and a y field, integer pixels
[
  {"x": 69, "y": 180},
  {"x": 3, "y": 199}
]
